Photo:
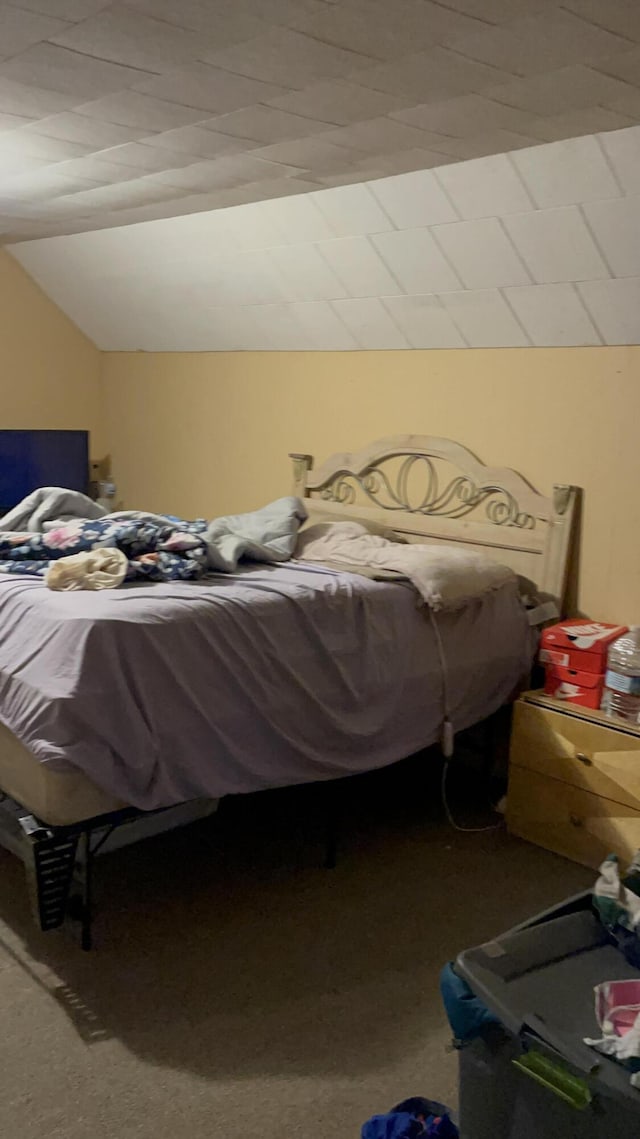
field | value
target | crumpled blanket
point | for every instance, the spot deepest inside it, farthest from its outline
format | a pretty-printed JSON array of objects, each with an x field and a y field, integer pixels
[
  {"x": 157, "y": 547},
  {"x": 48, "y": 505},
  {"x": 266, "y": 535},
  {"x": 446, "y": 577}
]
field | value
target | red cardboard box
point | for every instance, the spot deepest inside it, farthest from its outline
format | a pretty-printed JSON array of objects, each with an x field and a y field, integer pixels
[
  {"x": 574, "y": 686},
  {"x": 579, "y": 644}
]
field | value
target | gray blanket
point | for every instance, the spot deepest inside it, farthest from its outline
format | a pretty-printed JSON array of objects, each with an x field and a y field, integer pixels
[
  {"x": 267, "y": 535},
  {"x": 48, "y": 505}
]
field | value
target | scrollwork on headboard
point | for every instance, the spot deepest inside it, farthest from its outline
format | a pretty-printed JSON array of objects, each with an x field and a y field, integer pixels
[
  {"x": 458, "y": 496},
  {"x": 437, "y": 490}
]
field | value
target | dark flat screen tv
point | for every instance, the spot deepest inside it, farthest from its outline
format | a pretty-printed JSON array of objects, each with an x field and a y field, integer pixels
[{"x": 29, "y": 459}]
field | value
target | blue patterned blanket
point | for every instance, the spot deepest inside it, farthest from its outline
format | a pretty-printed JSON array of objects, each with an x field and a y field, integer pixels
[{"x": 158, "y": 549}]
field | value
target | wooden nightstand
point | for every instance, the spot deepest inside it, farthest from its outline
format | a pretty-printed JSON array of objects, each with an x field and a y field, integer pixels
[{"x": 574, "y": 780}]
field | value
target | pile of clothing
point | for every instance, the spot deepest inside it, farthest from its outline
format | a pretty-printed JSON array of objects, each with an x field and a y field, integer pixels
[
  {"x": 415, "y": 1118},
  {"x": 71, "y": 542},
  {"x": 616, "y": 900}
]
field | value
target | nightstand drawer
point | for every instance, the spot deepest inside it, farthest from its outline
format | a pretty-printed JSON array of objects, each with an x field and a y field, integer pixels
[
  {"x": 570, "y": 821},
  {"x": 586, "y": 755}
]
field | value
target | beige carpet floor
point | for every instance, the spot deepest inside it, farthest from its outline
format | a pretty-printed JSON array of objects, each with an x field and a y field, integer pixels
[{"x": 240, "y": 989}]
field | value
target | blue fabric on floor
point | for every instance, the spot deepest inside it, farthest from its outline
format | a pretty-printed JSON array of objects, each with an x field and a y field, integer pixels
[
  {"x": 412, "y": 1119},
  {"x": 467, "y": 1014}
]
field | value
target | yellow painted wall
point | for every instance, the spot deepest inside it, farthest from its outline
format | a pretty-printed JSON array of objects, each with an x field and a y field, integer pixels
[
  {"x": 203, "y": 434},
  {"x": 49, "y": 371}
]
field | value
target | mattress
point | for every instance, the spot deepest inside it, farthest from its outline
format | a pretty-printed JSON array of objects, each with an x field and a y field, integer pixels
[
  {"x": 153, "y": 695},
  {"x": 57, "y": 797}
]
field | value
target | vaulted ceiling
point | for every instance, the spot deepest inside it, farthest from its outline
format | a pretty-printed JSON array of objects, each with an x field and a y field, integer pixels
[{"x": 112, "y": 113}]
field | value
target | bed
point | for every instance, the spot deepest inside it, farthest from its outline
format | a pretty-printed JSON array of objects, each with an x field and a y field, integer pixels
[{"x": 318, "y": 672}]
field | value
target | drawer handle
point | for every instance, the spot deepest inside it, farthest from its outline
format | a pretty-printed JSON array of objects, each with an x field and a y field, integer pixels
[
  {"x": 582, "y": 758},
  {"x": 576, "y": 821}
]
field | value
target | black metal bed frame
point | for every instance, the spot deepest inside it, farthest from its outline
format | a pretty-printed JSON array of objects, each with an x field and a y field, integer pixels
[{"x": 59, "y": 860}]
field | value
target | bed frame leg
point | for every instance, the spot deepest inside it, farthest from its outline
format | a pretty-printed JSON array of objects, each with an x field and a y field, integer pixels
[
  {"x": 331, "y": 826},
  {"x": 87, "y": 898}
]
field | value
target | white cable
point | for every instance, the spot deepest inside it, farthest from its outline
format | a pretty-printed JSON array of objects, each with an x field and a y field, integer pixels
[{"x": 448, "y": 738}]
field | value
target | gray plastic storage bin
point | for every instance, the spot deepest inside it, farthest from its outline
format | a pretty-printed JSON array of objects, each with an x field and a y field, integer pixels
[{"x": 538, "y": 980}]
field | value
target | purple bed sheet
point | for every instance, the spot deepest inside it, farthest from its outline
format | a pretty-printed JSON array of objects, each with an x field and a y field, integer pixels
[{"x": 272, "y": 676}]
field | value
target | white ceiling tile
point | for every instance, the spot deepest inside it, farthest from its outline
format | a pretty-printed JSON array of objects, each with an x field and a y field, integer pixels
[
  {"x": 28, "y": 141},
  {"x": 401, "y": 162},
  {"x": 616, "y": 227},
  {"x": 146, "y": 156},
  {"x": 485, "y": 319},
  {"x": 416, "y": 261},
  {"x": 220, "y": 173},
  {"x": 481, "y": 145},
  {"x": 242, "y": 278},
  {"x": 31, "y": 102},
  {"x": 19, "y": 29},
  {"x": 304, "y": 274},
  {"x": 620, "y": 16},
  {"x": 413, "y": 199},
  {"x": 12, "y": 122},
  {"x": 265, "y": 124},
  {"x": 627, "y": 104},
  {"x": 323, "y": 327},
  {"x": 336, "y": 101},
  {"x": 558, "y": 91},
  {"x": 553, "y": 315},
  {"x": 228, "y": 23},
  {"x": 556, "y": 245},
  {"x": 433, "y": 74},
  {"x": 43, "y": 184},
  {"x": 194, "y": 141},
  {"x": 366, "y": 29},
  {"x": 615, "y": 308},
  {"x": 282, "y": 52},
  {"x": 499, "y": 11},
  {"x": 572, "y": 124},
  {"x": 370, "y": 324},
  {"x": 96, "y": 170},
  {"x": 481, "y": 254},
  {"x": 351, "y": 211},
  {"x": 359, "y": 268},
  {"x": 63, "y": 9},
  {"x": 625, "y": 66},
  {"x": 129, "y": 193},
  {"x": 308, "y": 154},
  {"x": 57, "y": 69},
  {"x": 236, "y": 329},
  {"x": 90, "y": 132},
  {"x": 485, "y": 187},
  {"x": 199, "y": 85},
  {"x": 376, "y": 136},
  {"x": 297, "y": 219},
  {"x": 539, "y": 43},
  {"x": 129, "y": 108},
  {"x": 280, "y": 329},
  {"x": 424, "y": 321},
  {"x": 122, "y": 36},
  {"x": 623, "y": 151},
  {"x": 464, "y": 115},
  {"x": 564, "y": 173}
]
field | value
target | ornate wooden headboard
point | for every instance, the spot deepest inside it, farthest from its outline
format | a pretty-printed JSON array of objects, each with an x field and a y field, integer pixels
[{"x": 433, "y": 489}]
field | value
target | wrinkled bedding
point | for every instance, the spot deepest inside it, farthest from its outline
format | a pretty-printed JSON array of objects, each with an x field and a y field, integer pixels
[
  {"x": 158, "y": 547},
  {"x": 271, "y": 676},
  {"x": 445, "y": 576}
]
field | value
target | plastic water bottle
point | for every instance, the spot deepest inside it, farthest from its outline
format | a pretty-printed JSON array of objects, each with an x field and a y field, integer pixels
[{"x": 622, "y": 681}]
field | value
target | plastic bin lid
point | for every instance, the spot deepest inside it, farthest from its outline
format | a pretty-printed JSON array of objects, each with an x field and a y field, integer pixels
[{"x": 538, "y": 979}]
